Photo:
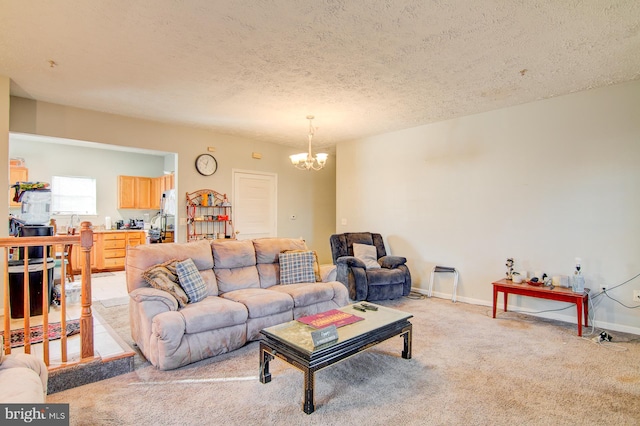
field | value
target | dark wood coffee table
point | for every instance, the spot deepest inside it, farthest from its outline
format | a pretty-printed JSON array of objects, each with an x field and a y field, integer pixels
[{"x": 292, "y": 342}]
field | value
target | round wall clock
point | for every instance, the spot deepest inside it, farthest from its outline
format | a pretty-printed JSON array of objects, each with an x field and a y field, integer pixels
[{"x": 206, "y": 164}]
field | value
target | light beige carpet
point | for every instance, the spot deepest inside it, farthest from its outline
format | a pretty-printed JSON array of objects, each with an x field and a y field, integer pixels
[{"x": 467, "y": 369}]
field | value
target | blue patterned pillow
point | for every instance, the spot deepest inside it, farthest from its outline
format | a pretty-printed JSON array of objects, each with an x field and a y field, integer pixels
[
  {"x": 297, "y": 267},
  {"x": 191, "y": 281}
]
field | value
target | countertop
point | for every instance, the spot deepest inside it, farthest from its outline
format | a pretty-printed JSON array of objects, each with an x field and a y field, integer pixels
[{"x": 106, "y": 231}]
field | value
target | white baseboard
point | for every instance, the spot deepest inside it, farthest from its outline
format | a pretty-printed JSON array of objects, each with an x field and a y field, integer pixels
[{"x": 548, "y": 315}]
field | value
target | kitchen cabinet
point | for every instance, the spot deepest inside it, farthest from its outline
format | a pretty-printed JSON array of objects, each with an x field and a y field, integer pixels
[
  {"x": 167, "y": 182},
  {"x": 158, "y": 186},
  {"x": 135, "y": 238},
  {"x": 16, "y": 174},
  {"x": 126, "y": 192},
  {"x": 143, "y": 192},
  {"x": 134, "y": 192},
  {"x": 156, "y": 192},
  {"x": 77, "y": 257},
  {"x": 111, "y": 248},
  {"x": 140, "y": 192}
]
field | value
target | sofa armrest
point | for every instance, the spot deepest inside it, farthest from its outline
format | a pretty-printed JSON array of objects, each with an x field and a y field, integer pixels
[
  {"x": 145, "y": 305},
  {"x": 23, "y": 378},
  {"x": 328, "y": 272},
  {"x": 150, "y": 294},
  {"x": 350, "y": 261},
  {"x": 391, "y": 262}
]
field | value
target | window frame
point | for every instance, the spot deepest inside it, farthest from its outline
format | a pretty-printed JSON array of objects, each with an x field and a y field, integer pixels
[{"x": 82, "y": 183}]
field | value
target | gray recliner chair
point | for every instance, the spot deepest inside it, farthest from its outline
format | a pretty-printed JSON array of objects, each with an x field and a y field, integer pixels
[{"x": 391, "y": 281}]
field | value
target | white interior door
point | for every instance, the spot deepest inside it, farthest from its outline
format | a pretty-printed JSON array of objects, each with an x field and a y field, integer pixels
[{"x": 255, "y": 204}]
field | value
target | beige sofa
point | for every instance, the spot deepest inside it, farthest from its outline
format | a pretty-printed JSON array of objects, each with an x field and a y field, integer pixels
[
  {"x": 23, "y": 379},
  {"x": 244, "y": 296}
]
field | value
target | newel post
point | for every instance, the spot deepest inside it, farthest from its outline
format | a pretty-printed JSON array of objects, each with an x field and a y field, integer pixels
[{"x": 86, "y": 317}]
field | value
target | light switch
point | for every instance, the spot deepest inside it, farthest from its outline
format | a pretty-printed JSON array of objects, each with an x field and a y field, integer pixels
[{"x": 343, "y": 221}]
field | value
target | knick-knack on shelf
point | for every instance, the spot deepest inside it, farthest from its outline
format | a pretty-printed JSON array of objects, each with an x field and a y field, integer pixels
[{"x": 509, "y": 265}]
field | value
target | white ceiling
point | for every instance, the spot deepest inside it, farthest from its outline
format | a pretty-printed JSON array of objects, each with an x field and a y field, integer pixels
[{"x": 257, "y": 68}]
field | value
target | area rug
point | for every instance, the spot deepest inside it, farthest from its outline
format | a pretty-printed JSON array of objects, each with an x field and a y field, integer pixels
[
  {"x": 37, "y": 333},
  {"x": 467, "y": 368},
  {"x": 116, "y": 301}
]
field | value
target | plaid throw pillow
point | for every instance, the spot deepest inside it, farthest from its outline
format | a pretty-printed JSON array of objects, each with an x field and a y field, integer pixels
[
  {"x": 316, "y": 264},
  {"x": 191, "y": 281},
  {"x": 297, "y": 267},
  {"x": 164, "y": 277}
]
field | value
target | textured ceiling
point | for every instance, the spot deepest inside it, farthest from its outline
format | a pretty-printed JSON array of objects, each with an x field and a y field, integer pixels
[{"x": 257, "y": 68}]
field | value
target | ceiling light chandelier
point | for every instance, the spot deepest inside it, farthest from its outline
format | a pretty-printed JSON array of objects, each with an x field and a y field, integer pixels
[{"x": 306, "y": 160}]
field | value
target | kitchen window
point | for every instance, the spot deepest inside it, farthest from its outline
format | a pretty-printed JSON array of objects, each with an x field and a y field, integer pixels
[{"x": 73, "y": 195}]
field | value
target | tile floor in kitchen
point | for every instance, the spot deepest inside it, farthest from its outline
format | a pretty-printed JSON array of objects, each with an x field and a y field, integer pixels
[{"x": 104, "y": 286}]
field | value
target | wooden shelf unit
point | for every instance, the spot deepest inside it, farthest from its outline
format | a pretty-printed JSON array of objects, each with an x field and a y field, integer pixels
[{"x": 205, "y": 221}]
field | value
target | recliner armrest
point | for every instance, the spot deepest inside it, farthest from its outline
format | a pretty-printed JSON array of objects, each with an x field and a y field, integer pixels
[
  {"x": 391, "y": 262},
  {"x": 351, "y": 261},
  {"x": 150, "y": 294}
]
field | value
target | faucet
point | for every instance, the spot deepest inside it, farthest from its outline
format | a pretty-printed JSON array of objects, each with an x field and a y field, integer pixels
[{"x": 72, "y": 221}]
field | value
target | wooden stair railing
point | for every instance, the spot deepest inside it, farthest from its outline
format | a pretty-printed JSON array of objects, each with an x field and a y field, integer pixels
[{"x": 85, "y": 240}]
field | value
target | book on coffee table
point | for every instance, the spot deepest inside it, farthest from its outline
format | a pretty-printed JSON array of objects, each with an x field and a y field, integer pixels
[{"x": 332, "y": 317}]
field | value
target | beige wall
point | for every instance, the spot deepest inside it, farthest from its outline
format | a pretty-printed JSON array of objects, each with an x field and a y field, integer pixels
[
  {"x": 47, "y": 157},
  {"x": 300, "y": 193},
  {"x": 544, "y": 183}
]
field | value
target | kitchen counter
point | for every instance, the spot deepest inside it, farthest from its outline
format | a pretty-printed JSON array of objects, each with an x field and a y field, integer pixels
[
  {"x": 108, "y": 231},
  {"x": 109, "y": 249},
  {"x": 105, "y": 231}
]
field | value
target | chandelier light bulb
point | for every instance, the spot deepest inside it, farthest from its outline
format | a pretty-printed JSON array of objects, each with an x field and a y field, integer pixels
[{"x": 306, "y": 160}]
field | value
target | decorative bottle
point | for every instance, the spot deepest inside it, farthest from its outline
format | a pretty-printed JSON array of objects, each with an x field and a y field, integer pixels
[{"x": 577, "y": 282}]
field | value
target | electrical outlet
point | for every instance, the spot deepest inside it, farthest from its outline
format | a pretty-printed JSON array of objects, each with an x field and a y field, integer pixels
[{"x": 636, "y": 296}]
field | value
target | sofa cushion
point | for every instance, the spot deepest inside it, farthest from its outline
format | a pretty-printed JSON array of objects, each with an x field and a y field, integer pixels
[
  {"x": 261, "y": 302},
  {"x": 368, "y": 254},
  {"x": 213, "y": 313},
  {"x": 164, "y": 277},
  {"x": 142, "y": 257},
  {"x": 268, "y": 249},
  {"x": 305, "y": 294},
  {"x": 269, "y": 274},
  {"x": 237, "y": 279},
  {"x": 191, "y": 281},
  {"x": 297, "y": 267},
  {"x": 267, "y": 254},
  {"x": 233, "y": 254}
]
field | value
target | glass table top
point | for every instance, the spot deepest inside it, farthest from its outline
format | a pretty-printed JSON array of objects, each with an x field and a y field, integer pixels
[{"x": 298, "y": 335}]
